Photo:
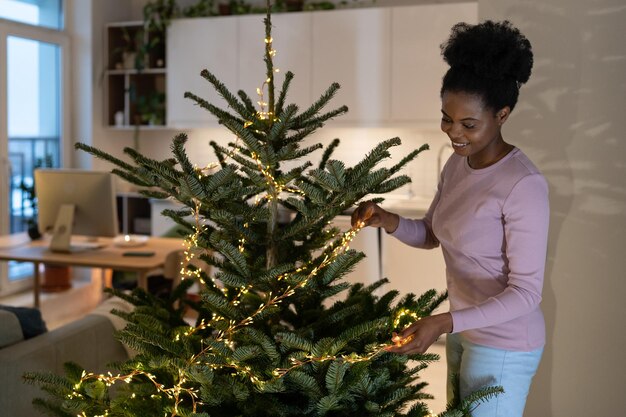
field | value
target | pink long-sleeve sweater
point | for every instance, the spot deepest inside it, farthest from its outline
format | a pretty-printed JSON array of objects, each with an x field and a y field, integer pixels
[{"x": 492, "y": 224}]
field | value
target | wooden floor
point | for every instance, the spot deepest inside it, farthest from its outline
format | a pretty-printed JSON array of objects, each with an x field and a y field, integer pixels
[{"x": 59, "y": 308}]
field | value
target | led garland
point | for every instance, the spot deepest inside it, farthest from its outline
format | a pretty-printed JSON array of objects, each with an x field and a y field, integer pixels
[{"x": 263, "y": 114}]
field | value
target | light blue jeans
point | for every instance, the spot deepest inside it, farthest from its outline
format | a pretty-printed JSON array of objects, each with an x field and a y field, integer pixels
[{"x": 475, "y": 366}]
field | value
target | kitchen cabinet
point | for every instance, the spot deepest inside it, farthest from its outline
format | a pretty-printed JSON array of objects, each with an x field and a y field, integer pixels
[
  {"x": 413, "y": 270},
  {"x": 386, "y": 59},
  {"x": 134, "y": 80},
  {"x": 193, "y": 45},
  {"x": 351, "y": 47},
  {"x": 417, "y": 66}
]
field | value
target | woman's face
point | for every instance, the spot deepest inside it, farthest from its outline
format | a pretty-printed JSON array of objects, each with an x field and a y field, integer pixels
[{"x": 473, "y": 128}]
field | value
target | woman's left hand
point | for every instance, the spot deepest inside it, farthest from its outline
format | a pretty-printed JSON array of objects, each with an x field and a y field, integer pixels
[{"x": 418, "y": 337}]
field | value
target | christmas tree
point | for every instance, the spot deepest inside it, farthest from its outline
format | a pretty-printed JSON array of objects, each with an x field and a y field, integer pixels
[{"x": 264, "y": 342}]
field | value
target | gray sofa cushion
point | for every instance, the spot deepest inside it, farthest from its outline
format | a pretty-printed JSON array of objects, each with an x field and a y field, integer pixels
[
  {"x": 88, "y": 341},
  {"x": 10, "y": 329},
  {"x": 30, "y": 319}
]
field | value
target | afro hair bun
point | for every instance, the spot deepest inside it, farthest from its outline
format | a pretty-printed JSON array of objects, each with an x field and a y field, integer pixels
[{"x": 495, "y": 50}]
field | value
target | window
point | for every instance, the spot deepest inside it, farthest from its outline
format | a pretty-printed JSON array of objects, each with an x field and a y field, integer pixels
[
  {"x": 33, "y": 103},
  {"x": 45, "y": 13},
  {"x": 33, "y": 80}
]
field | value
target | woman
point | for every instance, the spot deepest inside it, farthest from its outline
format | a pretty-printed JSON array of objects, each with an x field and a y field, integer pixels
[{"x": 490, "y": 216}]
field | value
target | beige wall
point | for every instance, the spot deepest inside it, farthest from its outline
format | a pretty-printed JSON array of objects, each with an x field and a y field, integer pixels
[{"x": 570, "y": 120}]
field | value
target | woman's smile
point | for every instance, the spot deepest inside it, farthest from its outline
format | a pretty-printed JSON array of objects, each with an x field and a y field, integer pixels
[{"x": 473, "y": 129}]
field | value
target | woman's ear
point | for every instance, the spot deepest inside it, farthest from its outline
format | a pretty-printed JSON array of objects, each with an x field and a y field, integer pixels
[{"x": 503, "y": 114}]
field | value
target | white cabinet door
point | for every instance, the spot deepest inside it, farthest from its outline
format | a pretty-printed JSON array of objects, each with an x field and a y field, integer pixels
[
  {"x": 413, "y": 270},
  {"x": 387, "y": 60},
  {"x": 193, "y": 45},
  {"x": 291, "y": 35},
  {"x": 351, "y": 47},
  {"x": 417, "y": 66}
]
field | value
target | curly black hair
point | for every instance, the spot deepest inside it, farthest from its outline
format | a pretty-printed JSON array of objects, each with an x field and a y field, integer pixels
[{"x": 490, "y": 59}]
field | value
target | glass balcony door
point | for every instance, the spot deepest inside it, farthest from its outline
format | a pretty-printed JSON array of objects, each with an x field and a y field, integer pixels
[{"x": 33, "y": 127}]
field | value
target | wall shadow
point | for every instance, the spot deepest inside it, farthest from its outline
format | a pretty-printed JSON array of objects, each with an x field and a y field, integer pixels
[{"x": 581, "y": 154}]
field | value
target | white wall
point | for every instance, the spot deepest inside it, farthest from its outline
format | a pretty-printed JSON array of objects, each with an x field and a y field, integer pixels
[{"x": 570, "y": 120}]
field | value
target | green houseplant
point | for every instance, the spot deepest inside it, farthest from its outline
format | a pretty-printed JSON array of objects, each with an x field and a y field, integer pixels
[{"x": 29, "y": 197}]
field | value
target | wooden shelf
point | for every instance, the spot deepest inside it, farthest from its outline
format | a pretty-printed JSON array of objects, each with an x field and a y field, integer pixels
[{"x": 135, "y": 81}]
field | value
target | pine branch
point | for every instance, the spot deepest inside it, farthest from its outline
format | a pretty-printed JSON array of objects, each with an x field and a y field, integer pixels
[
  {"x": 471, "y": 401},
  {"x": 319, "y": 121},
  {"x": 51, "y": 408},
  {"x": 230, "y": 252},
  {"x": 103, "y": 155},
  {"x": 380, "y": 152},
  {"x": 247, "y": 101},
  {"x": 131, "y": 178},
  {"x": 391, "y": 184},
  {"x": 291, "y": 152},
  {"x": 280, "y": 103},
  {"x": 279, "y": 128},
  {"x": 411, "y": 156},
  {"x": 265, "y": 154},
  {"x": 220, "y": 114},
  {"x": 301, "y": 134},
  {"x": 328, "y": 153},
  {"x": 318, "y": 105},
  {"x": 227, "y": 95}
]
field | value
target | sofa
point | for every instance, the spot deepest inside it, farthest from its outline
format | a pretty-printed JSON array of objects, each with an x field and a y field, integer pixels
[{"x": 88, "y": 341}]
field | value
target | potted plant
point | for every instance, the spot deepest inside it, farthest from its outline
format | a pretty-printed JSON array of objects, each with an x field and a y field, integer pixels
[
  {"x": 294, "y": 5},
  {"x": 157, "y": 15},
  {"x": 128, "y": 54},
  {"x": 201, "y": 8},
  {"x": 29, "y": 198},
  {"x": 151, "y": 109},
  {"x": 356, "y": 3},
  {"x": 233, "y": 7},
  {"x": 320, "y": 5}
]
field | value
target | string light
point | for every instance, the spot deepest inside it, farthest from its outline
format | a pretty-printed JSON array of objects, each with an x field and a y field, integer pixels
[
  {"x": 176, "y": 392},
  {"x": 264, "y": 114},
  {"x": 404, "y": 312},
  {"x": 191, "y": 246}
]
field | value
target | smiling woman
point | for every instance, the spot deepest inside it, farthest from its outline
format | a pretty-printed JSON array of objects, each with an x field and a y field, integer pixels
[{"x": 490, "y": 217}]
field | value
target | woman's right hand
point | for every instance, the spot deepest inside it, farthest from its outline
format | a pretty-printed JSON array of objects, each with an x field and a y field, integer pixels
[{"x": 369, "y": 213}]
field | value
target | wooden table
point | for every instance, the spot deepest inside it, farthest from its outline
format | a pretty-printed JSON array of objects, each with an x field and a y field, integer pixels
[{"x": 19, "y": 247}]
